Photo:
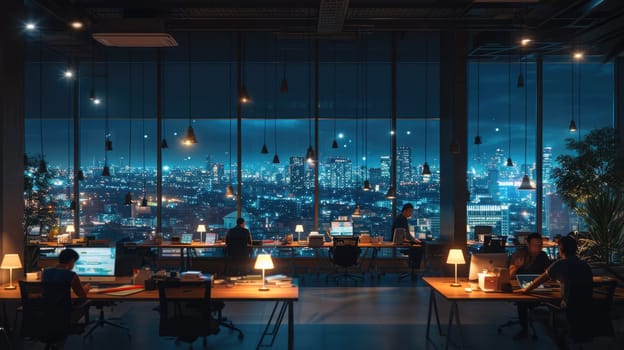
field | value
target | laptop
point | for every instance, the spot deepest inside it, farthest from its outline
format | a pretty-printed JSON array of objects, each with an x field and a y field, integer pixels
[
  {"x": 187, "y": 238},
  {"x": 525, "y": 279},
  {"x": 211, "y": 237}
]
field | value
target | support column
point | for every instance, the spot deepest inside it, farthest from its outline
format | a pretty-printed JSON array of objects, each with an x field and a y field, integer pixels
[
  {"x": 539, "y": 147},
  {"x": 453, "y": 137},
  {"x": 618, "y": 107},
  {"x": 11, "y": 134}
]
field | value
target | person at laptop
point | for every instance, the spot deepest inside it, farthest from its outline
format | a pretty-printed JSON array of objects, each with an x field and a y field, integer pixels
[
  {"x": 576, "y": 281},
  {"x": 528, "y": 260},
  {"x": 400, "y": 221},
  {"x": 238, "y": 247},
  {"x": 62, "y": 273}
]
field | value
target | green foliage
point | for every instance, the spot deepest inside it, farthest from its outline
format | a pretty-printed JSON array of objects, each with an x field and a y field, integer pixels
[
  {"x": 603, "y": 214},
  {"x": 39, "y": 207},
  {"x": 580, "y": 176}
]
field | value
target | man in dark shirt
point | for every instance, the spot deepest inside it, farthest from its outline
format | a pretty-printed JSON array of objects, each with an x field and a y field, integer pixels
[
  {"x": 400, "y": 221},
  {"x": 528, "y": 260},
  {"x": 238, "y": 247},
  {"x": 576, "y": 280},
  {"x": 62, "y": 273}
]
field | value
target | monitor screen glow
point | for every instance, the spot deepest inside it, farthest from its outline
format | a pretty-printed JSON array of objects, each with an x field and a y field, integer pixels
[
  {"x": 342, "y": 228},
  {"x": 95, "y": 261},
  {"x": 485, "y": 261}
]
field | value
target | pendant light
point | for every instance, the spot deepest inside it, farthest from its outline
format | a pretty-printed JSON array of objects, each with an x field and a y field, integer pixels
[
  {"x": 391, "y": 194},
  {"x": 189, "y": 138},
  {"x": 163, "y": 143},
  {"x": 477, "y": 140},
  {"x": 276, "y": 159},
  {"x": 143, "y": 135},
  {"x": 128, "y": 196},
  {"x": 229, "y": 190},
  {"x": 310, "y": 151},
  {"x": 108, "y": 145},
  {"x": 335, "y": 141},
  {"x": 572, "y": 126},
  {"x": 577, "y": 57},
  {"x": 43, "y": 168},
  {"x": 265, "y": 149},
  {"x": 243, "y": 94},
  {"x": 367, "y": 185},
  {"x": 526, "y": 181},
  {"x": 509, "y": 161},
  {"x": 426, "y": 171}
]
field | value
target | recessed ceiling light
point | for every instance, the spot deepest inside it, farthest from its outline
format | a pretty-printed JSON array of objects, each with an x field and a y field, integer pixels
[
  {"x": 31, "y": 26},
  {"x": 578, "y": 55},
  {"x": 68, "y": 74},
  {"x": 77, "y": 24}
]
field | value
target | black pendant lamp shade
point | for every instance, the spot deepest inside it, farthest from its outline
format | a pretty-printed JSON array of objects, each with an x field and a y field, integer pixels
[
  {"x": 276, "y": 159},
  {"x": 526, "y": 183},
  {"x": 335, "y": 144},
  {"x": 426, "y": 169},
  {"x": 264, "y": 149},
  {"x": 80, "y": 175},
  {"x": 128, "y": 199},
  {"x": 108, "y": 145},
  {"x": 229, "y": 191},
  {"x": 391, "y": 194},
  {"x": 310, "y": 153},
  {"x": 106, "y": 171},
  {"x": 477, "y": 140},
  {"x": 43, "y": 168},
  {"x": 509, "y": 162},
  {"x": 367, "y": 186},
  {"x": 572, "y": 127},
  {"x": 190, "y": 138},
  {"x": 164, "y": 144},
  {"x": 284, "y": 86},
  {"x": 144, "y": 202}
]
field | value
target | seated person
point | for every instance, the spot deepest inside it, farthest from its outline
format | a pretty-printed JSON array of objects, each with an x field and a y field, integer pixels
[
  {"x": 238, "y": 246},
  {"x": 400, "y": 221},
  {"x": 528, "y": 260},
  {"x": 62, "y": 273},
  {"x": 575, "y": 278}
]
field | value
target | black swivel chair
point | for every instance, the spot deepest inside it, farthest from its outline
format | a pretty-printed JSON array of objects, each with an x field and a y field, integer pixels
[
  {"x": 237, "y": 258},
  {"x": 48, "y": 314},
  {"x": 345, "y": 254},
  {"x": 186, "y": 311}
]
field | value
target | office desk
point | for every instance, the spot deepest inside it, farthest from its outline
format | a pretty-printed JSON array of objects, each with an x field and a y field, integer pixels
[
  {"x": 454, "y": 295},
  {"x": 284, "y": 298}
]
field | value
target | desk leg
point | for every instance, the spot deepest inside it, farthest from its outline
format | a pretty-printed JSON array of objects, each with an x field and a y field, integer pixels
[
  {"x": 291, "y": 326},
  {"x": 433, "y": 304},
  {"x": 454, "y": 313},
  {"x": 272, "y": 327}
]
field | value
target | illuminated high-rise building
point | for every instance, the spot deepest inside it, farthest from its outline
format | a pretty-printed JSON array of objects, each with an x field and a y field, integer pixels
[{"x": 404, "y": 164}]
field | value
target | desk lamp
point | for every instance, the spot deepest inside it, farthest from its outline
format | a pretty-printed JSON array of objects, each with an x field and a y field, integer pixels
[
  {"x": 263, "y": 262},
  {"x": 455, "y": 256},
  {"x": 201, "y": 228},
  {"x": 70, "y": 229},
  {"x": 10, "y": 262},
  {"x": 299, "y": 229}
]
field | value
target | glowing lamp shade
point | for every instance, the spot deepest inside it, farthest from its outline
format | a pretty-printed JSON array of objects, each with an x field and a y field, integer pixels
[
  {"x": 10, "y": 262},
  {"x": 456, "y": 257},
  {"x": 70, "y": 229},
  {"x": 263, "y": 262},
  {"x": 201, "y": 228}
]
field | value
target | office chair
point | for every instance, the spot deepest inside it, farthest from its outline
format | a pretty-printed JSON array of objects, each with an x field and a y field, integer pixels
[
  {"x": 48, "y": 315},
  {"x": 414, "y": 259},
  {"x": 237, "y": 258},
  {"x": 345, "y": 254},
  {"x": 186, "y": 311},
  {"x": 588, "y": 319},
  {"x": 530, "y": 309}
]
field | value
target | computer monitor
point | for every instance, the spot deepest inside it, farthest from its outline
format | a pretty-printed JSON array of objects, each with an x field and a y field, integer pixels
[
  {"x": 485, "y": 261},
  {"x": 95, "y": 263},
  {"x": 341, "y": 228},
  {"x": 211, "y": 237}
]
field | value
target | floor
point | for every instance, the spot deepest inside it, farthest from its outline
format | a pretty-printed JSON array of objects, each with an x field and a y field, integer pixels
[{"x": 375, "y": 314}]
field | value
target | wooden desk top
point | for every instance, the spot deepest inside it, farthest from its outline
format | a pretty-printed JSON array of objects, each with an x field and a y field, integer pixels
[
  {"x": 220, "y": 292},
  {"x": 168, "y": 244},
  {"x": 442, "y": 285}
]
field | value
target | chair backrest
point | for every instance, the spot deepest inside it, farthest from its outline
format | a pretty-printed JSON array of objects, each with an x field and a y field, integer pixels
[
  {"x": 345, "y": 251},
  {"x": 185, "y": 310},
  {"x": 602, "y": 301},
  {"x": 46, "y": 308}
]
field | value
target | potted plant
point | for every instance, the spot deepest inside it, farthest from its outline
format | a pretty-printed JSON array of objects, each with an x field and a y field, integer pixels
[{"x": 591, "y": 183}]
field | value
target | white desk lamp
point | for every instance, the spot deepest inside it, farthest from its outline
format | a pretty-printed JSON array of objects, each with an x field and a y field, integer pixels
[
  {"x": 456, "y": 256},
  {"x": 70, "y": 229},
  {"x": 201, "y": 228},
  {"x": 299, "y": 229},
  {"x": 10, "y": 262},
  {"x": 263, "y": 262}
]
